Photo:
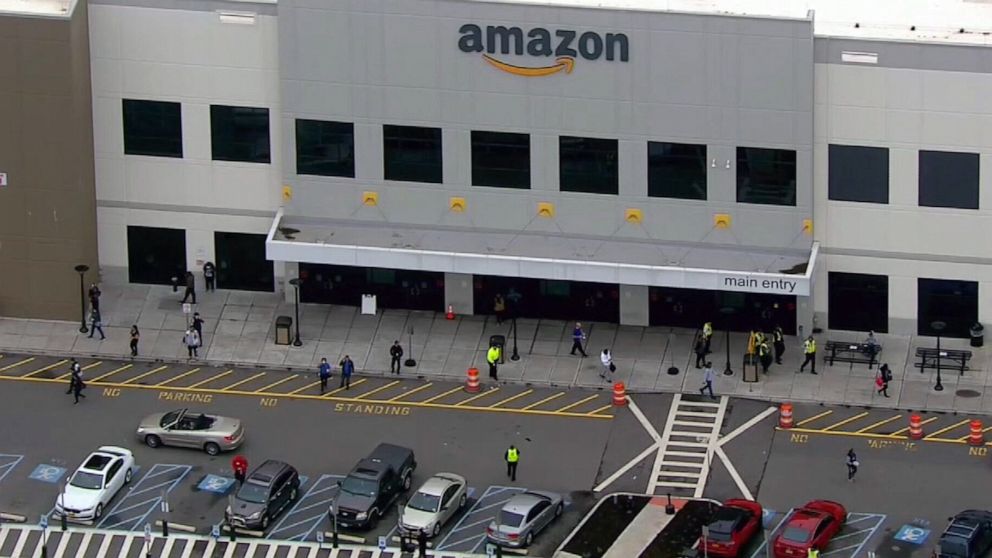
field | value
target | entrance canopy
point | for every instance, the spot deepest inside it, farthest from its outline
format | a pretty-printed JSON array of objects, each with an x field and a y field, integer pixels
[{"x": 542, "y": 255}]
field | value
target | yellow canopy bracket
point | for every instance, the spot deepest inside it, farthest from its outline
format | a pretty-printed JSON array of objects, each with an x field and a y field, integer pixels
[
  {"x": 287, "y": 192},
  {"x": 456, "y": 204},
  {"x": 546, "y": 210},
  {"x": 808, "y": 226},
  {"x": 633, "y": 215},
  {"x": 370, "y": 198},
  {"x": 722, "y": 220}
]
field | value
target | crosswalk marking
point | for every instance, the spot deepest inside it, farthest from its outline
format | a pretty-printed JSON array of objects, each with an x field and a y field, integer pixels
[{"x": 680, "y": 469}]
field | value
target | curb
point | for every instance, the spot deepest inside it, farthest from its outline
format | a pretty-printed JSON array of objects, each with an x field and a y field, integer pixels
[
  {"x": 344, "y": 537},
  {"x": 13, "y": 517},
  {"x": 177, "y": 527}
]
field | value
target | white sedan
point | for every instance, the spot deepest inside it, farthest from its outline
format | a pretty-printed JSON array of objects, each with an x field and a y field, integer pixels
[
  {"x": 436, "y": 502},
  {"x": 95, "y": 483}
]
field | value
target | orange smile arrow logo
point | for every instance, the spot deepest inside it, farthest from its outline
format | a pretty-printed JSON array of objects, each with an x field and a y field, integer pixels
[{"x": 565, "y": 63}]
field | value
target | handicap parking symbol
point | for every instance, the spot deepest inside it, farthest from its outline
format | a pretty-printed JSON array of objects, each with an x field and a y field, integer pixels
[
  {"x": 216, "y": 484},
  {"x": 47, "y": 473},
  {"x": 912, "y": 534}
]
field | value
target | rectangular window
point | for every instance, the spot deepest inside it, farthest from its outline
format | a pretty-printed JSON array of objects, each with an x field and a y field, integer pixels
[
  {"x": 766, "y": 176},
  {"x": 858, "y": 302},
  {"x": 676, "y": 170},
  {"x": 153, "y": 128},
  {"x": 858, "y": 174},
  {"x": 953, "y": 302},
  {"x": 155, "y": 255},
  {"x": 241, "y": 262},
  {"x": 239, "y": 134},
  {"x": 325, "y": 148},
  {"x": 948, "y": 179},
  {"x": 500, "y": 159},
  {"x": 588, "y": 165},
  {"x": 412, "y": 153}
]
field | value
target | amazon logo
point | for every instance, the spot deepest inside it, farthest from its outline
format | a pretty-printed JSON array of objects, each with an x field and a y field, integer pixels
[{"x": 560, "y": 49}]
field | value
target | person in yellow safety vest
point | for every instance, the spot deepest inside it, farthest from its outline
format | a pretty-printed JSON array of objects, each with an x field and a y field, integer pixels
[
  {"x": 765, "y": 355},
  {"x": 492, "y": 357},
  {"x": 778, "y": 337},
  {"x": 759, "y": 337},
  {"x": 512, "y": 457},
  {"x": 809, "y": 349},
  {"x": 813, "y": 552},
  {"x": 707, "y": 335}
]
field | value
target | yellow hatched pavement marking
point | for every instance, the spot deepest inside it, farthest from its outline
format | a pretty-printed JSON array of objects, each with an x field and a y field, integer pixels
[
  {"x": 965, "y": 438},
  {"x": 576, "y": 404},
  {"x": 145, "y": 375},
  {"x": 275, "y": 384},
  {"x": 45, "y": 368},
  {"x": 16, "y": 364},
  {"x": 879, "y": 423},
  {"x": 378, "y": 389},
  {"x": 210, "y": 379},
  {"x": 474, "y": 397},
  {"x": 179, "y": 377},
  {"x": 512, "y": 398},
  {"x": 812, "y": 418},
  {"x": 445, "y": 394},
  {"x": 543, "y": 401},
  {"x": 353, "y": 384},
  {"x": 304, "y": 388},
  {"x": 112, "y": 372},
  {"x": 923, "y": 423},
  {"x": 412, "y": 391},
  {"x": 845, "y": 421},
  {"x": 245, "y": 381},
  {"x": 947, "y": 428},
  {"x": 84, "y": 369},
  {"x": 600, "y": 410}
]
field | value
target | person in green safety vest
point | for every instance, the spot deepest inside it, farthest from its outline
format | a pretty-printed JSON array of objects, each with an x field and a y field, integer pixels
[
  {"x": 492, "y": 357},
  {"x": 512, "y": 457},
  {"x": 809, "y": 349}
]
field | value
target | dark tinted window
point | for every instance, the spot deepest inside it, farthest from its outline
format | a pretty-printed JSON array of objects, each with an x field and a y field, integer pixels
[
  {"x": 500, "y": 159},
  {"x": 858, "y": 302},
  {"x": 239, "y": 134},
  {"x": 325, "y": 148},
  {"x": 588, "y": 165},
  {"x": 412, "y": 153},
  {"x": 949, "y": 179},
  {"x": 676, "y": 170},
  {"x": 155, "y": 255},
  {"x": 953, "y": 302},
  {"x": 152, "y": 128},
  {"x": 859, "y": 174},
  {"x": 241, "y": 262},
  {"x": 766, "y": 176}
]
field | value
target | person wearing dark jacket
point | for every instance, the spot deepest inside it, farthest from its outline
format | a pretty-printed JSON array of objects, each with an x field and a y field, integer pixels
[
  {"x": 324, "y": 373},
  {"x": 395, "y": 354},
  {"x": 778, "y": 338},
  {"x": 190, "y": 287},
  {"x": 700, "y": 350},
  {"x": 208, "y": 276},
  {"x": 347, "y": 369},
  {"x": 883, "y": 379},
  {"x": 77, "y": 385},
  {"x": 96, "y": 324},
  {"x": 135, "y": 336}
]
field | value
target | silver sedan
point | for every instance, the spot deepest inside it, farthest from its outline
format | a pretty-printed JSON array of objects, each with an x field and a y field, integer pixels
[
  {"x": 436, "y": 502},
  {"x": 182, "y": 428},
  {"x": 523, "y": 516}
]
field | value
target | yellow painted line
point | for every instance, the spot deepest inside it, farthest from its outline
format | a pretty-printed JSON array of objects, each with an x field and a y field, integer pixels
[
  {"x": 274, "y": 384},
  {"x": 545, "y": 400},
  {"x": 210, "y": 379},
  {"x": 16, "y": 364},
  {"x": 179, "y": 377},
  {"x": 601, "y": 409},
  {"x": 947, "y": 428},
  {"x": 412, "y": 391},
  {"x": 576, "y": 404},
  {"x": 45, "y": 368},
  {"x": 514, "y": 397},
  {"x": 146, "y": 374},
  {"x": 905, "y": 430},
  {"x": 84, "y": 369},
  {"x": 965, "y": 438},
  {"x": 812, "y": 418},
  {"x": 845, "y": 421},
  {"x": 245, "y": 381},
  {"x": 863, "y": 435},
  {"x": 474, "y": 397},
  {"x": 304, "y": 388},
  {"x": 333, "y": 391},
  {"x": 879, "y": 423},
  {"x": 112, "y": 372},
  {"x": 441, "y": 395},
  {"x": 378, "y": 389}
]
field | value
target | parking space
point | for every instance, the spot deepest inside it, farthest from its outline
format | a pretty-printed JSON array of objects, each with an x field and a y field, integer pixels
[
  {"x": 469, "y": 533},
  {"x": 8, "y": 462},
  {"x": 144, "y": 496},
  {"x": 310, "y": 511},
  {"x": 884, "y": 424},
  {"x": 852, "y": 538}
]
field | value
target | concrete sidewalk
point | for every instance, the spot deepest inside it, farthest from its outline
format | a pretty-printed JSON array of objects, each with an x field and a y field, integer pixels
[{"x": 239, "y": 329}]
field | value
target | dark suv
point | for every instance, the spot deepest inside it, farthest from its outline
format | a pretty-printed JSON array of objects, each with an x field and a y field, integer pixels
[
  {"x": 372, "y": 486},
  {"x": 969, "y": 535},
  {"x": 267, "y": 491}
]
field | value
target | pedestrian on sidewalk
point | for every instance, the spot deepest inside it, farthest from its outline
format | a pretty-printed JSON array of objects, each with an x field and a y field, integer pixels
[
  {"x": 324, "y": 373},
  {"x": 606, "y": 357},
  {"x": 190, "y": 287},
  {"x": 96, "y": 324},
  {"x": 764, "y": 355},
  {"x": 395, "y": 354},
  {"x": 94, "y": 294},
  {"x": 492, "y": 358},
  {"x": 778, "y": 337},
  {"x": 77, "y": 386},
  {"x": 852, "y": 464},
  {"x": 700, "y": 350},
  {"x": 499, "y": 308},
  {"x": 208, "y": 276},
  {"x": 135, "y": 336},
  {"x": 198, "y": 326},
  {"x": 709, "y": 376},
  {"x": 578, "y": 336},
  {"x": 883, "y": 378},
  {"x": 707, "y": 335},
  {"x": 239, "y": 466},
  {"x": 347, "y": 369},
  {"x": 74, "y": 371},
  {"x": 192, "y": 341},
  {"x": 809, "y": 349},
  {"x": 512, "y": 458}
]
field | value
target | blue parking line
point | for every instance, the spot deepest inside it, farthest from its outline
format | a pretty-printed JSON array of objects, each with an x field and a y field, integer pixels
[
  {"x": 7, "y": 463},
  {"x": 314, "y": 517},
  {"x": 156, "y": 470}
]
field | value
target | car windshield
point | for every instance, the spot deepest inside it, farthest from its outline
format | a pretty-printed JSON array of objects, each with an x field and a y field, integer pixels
[
  {"x": 358, "y": 487},
  {"x": 952, "y": 548},
  {"x": 89, "y": 481},
  {"x": 719, "y": 536},
  {"x": 425, "y": 502},
  {"x": 169, "y": 418},
  {"x": 795, "y": 534},
  {"x": 253, "y": 493},
  {"x": 510, "y": 519}
]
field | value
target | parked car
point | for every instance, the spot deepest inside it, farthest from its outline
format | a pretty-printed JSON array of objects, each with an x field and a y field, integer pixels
[
  {"x": 968, "y": 535},
  {"x": 372, "y": 486},
  {"x": 211, "y": 433},
  {"x": 267, "y": 491},
  {"x": 436, "y": 502},
  {"x": 523, "y": 516},
  {"x": 95, "y": 483},
  {"x": 811, "y": 525},
  {"x": 733, "y": 526}
]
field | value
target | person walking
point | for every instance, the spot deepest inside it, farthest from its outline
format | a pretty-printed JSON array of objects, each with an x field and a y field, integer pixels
[
  {"x": 77, "y": 386},
  {"x": 492, "y": 357},
  {"x": 192, "y": 341},
  {"x": 190, "y": 287},
  {"x": 700, "y": 350},
  {"x": 809, "y": 349},
  {"x": 209, "y": 272},
  {"x": 778, "y": 339},
  {"x": 347, "y": 369},
  {"x": 135, "y": 336},
  {"x": 395, "y": 354},
  {"x": 852, "y": 464},
  {"x": 96, "y": 324},
  {"x": 764, "y": 355},
  {"x": 74, "y": 371},
  {"x": 239, "y": 466},
  {"x": 606, "y": 357},
  {"x": 709, "y": 376},
  {"x": 882, "y": 379},
  {"x": 512, "y": 458},
  {"x": 324, "y": 373},
  {"x": 578, "y": 336},
  {"x": 708, "y": 335},
  {"x": 198, "y": 325},
  {"x": 94, "y": 295},
  {"x": 499, "y": 308}
]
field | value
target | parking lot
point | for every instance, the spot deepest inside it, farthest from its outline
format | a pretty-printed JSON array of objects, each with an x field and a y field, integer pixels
[
  {"x": 853, "y": 537},
  {"x": 469, "y": 533}
]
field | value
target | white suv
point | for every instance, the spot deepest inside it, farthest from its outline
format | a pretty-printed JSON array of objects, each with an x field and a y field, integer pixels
[{"x": 95, "y": 483}]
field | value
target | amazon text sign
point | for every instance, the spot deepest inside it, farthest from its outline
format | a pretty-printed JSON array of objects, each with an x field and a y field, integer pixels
[{"x": 564, "y": 44}]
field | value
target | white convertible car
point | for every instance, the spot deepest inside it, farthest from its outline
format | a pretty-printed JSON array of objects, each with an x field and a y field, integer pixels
[{"x": 95, "y": 483}]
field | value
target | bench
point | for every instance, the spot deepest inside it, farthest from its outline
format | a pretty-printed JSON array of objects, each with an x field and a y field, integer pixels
[
  {"x": 854, "y": 353},
  {"x": 954, "y": 358}
]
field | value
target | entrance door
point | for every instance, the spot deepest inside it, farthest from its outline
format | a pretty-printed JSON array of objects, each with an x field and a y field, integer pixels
[
  {"x": 553, "y": 300},
  {"x": 394, "y": 288},
  {"x": 155, "y": 255},
  {"x": 241, "y": 262},
  {"x": 690, "y": 308}
]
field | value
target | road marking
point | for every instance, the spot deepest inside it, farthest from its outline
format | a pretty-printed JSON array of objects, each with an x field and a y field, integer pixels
[
  {"x": 45, "y": 368},
  {"x": 744, "y": 427},
  {"x": 445, "y": 394},
  {"x": 599, "y": 410},
  {"x": 145, "y": 375},
  {"x": 812, "y": 418},
  {"x": 16, "y": 364},
  {"x": 733, "y": 473},
  {"x": 274, "y": 384},
  {"x": 112, "y": 372},
  {"x": 513, "y": 398},
  {"x": 965, "y": 438},
  {"x": 545, "y": 400},
  {"x": 208, "y": 380},
  {"x": 947, "y": 428},
  {"x": 645, "y": 423},
  {"x": 179, "y": 377},
  {"x": 879, "y": 423},
  {"x": 84, "y": 369},
  {"x": 333, "y": 391},
  {"x": 576, "y": 404},
  {"x": 412, "y": 391},
  {"x": 245, "y": 381},
  {"x": 304, "y": 388},
  {"x": 378, "y": 389},
  {"x": 622, "y": 470},
  {"x": 845, "y": 421},
  {"x": 474, "y": 397},
  {"x": 905, "y": 430}
]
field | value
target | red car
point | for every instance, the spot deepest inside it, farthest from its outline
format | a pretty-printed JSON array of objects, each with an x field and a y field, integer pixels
[
  {"x": 811, "y": 525},
  {"x": 732, "y": 528}
]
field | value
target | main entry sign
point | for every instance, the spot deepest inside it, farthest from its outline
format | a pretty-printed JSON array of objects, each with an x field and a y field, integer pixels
[{"x": 529, "y": 54}]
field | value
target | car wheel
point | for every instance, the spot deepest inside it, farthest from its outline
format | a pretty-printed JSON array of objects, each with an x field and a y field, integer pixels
[
  {"x": 463, "y": 501},
  {"x": 99, "y": 511},
  {"x": 211, "y": 448},
  {"x": 265, "y": 521},
  {"x": 437, "y": 530},
  {"x": 559, "y": 508},
  {"x": 127, "y": 476},
  {"x": 529, "y": 538},
  {"x": 153, "y": 441},
  {"x": 407, "y": 482},
  {"x": 373, "y": 518},
  {"x": 293, "y": 494}
]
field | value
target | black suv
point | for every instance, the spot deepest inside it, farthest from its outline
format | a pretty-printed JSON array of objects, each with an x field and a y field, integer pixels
[
  {"x": 267, "y": 491},
  {"x": 372, "y": 486},
  {"x": 969, "y": 535}
]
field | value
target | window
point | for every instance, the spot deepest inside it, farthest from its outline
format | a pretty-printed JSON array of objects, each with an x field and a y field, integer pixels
[
  {"x": 325, "y": 148},
  {"x": 858, "y": 302},
  {"x": 766, "y": 176},
  {"x": 859, "y": 174},
  {"x": 412, "y": 153},
  {"x": 239, "y": 134},
  {"x": 676, "y": 170},
  {"x": 949, "y": 179},
  {"x": 152, "y": 128},
  {"x": 953, "y": 302},
  {"x": 241, "y": 262},
  {"x": 588, "y": 165},
  {"x": 155, "y": 255},
  {"x": 500, "y": 159}
]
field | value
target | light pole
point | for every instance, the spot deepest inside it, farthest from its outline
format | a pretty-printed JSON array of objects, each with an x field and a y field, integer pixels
[
  {"x": 727, "y": 311},
  {"x": 81, "y": 269},
  {"x": 938, "y": 326},
  {"x": 410, "y": 361},
  {"x": 295, "y": 282},
  {"x": 515, "y": 356}
]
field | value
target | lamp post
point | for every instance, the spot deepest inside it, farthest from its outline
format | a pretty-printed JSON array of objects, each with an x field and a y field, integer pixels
[
  {"x": 81, "y": 269},
  {"x": 727, "y": 311},
  {"x": 410, "y": 361},
  {"x": 515, "y": 356},
  {"x": 295, "y": 282},
  {"x": 938, "y": 326}
]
